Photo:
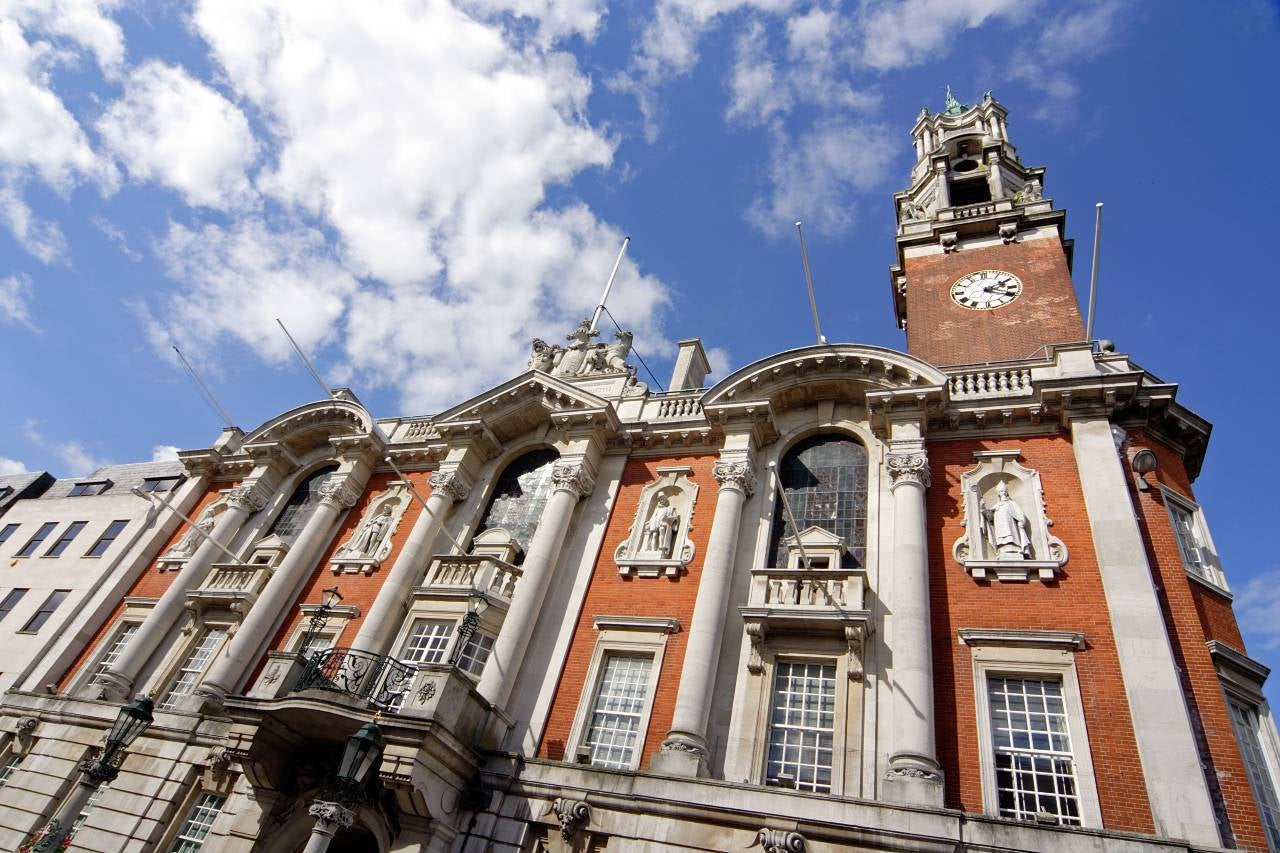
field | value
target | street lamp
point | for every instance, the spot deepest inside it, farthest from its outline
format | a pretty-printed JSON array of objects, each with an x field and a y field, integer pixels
[
  {"x": 331, "y": 599},
  {"x": 360, "y": 756},
  {"x": 131, "y": 721},
  {"x": 477, "y": 603}
]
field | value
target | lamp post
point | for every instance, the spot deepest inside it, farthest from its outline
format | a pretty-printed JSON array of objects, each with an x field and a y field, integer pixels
[
  {"x": 331, "y": 599},
  {"x": 477, "y": 603},
  {"x": 131, "y": 721},
  {"x": 362, "y": 754}
]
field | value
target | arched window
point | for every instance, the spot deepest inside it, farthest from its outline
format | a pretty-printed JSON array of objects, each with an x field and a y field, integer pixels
[
  {"x": 825, "y": 480},
  {"x": 519, "y": 497},
  {"x": 303, "y": 502}
]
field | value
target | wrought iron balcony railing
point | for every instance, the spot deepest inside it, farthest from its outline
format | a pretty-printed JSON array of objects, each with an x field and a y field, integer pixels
[{"x": 379, "y": 680}]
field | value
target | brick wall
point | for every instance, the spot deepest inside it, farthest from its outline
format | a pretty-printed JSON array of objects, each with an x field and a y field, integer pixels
[
  {"x": 610, "y": 594},
  {"x": 1192, "y": 615},
  {"x": 1075, "y": 602},
  {"x": 941, "y": 332}
]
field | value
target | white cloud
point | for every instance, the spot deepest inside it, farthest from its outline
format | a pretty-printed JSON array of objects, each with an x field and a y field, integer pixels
[
  {"x": 179, "y": 132},
  {"x": 15, "y": 291},
  {"x": 903, "y": 34},
  {"x": 164, "y": 453},
  {"x": 755, "y": 91},
  {"x": 554, "y": 18},
  {"x": 73, "y": 454},
  {"x": 11, "y": 466},
  {"x": 1074, "y": 34},
  {"x": 816, "y": 177},
  {"x": 1257, "y": 606},
  {"x": 721, "y": 363},
  {"x": 443, "y": 257},
  {"x": 84, "y": 22}
]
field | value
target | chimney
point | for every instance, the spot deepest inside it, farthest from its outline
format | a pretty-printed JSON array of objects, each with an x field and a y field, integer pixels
[{"x": 691, "y": 366}]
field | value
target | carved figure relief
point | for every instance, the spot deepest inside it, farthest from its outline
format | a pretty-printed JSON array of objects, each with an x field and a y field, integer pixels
[
  {"x": 658, "y": 542},
  {"x": 583, "y": 356},
  {"x": 1006, "y": 528},
  {"x": 191, "y": 540},
  {"x": 1031, "y": 191},
  {"x": 370, "y": 544}
]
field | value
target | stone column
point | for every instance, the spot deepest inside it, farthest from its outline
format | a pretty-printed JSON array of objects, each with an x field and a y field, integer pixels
[
  {"x": 995, "y": 177},
  {"x": 571, "y": 480},
  {"x": 943, "y": 192},
  {"x": 378, "y": 629},
  {"x": 914, "y": 773},
  {"x": 338, "y": 494},
  {"x": 241, "y": 502},
  {"x": 684, "y": 751},
  {"x": 330, "y": 819}
]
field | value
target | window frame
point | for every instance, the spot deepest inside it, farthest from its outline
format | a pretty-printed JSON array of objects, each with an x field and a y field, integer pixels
[
  {"x": 21, "y": 592},
  {"x": 620, "y": 635},
  {"x": 1241, "y": 678},
  {"x": 475, "y": 641},
  {"x": 121, "y": 633},
  {"x": 1213, "y": 575},
  {"x": 6, "y": 532},
  {"x": 68, "y": 536},
  {"x": 191, "y": 804},
  {"x": 27, "y": 627},
  {"x": 839, "y": 714},
  {"x": 176, "y": 667},
  {"x": 82, "y": 488},
  {"x": 37, "y": 539},
  {"x": 107, "y": 539},
  {"x": 9, "y": 764},
  {"x": 1035, "y": 655},
  {"x": 174, "y": 481}
]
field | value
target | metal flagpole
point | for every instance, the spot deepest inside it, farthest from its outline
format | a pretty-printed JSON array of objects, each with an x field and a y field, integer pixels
[
  {"x": 813, "y": 302},
  {"x": 786, "y": 505},
  {"x": 1093, "y": 276},
  {"x": 213, "y": 401},
  {"x": 205, "y": 536},
  {"x": 604, "y": 297},
  {"x": 302, "y": 355}
]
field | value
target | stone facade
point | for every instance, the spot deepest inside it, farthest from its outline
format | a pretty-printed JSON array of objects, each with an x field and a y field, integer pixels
[{"x": 847, "y": 598}]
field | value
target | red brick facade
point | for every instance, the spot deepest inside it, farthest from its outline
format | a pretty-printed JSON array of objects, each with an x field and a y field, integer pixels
[{"x": 941, "y": 332}]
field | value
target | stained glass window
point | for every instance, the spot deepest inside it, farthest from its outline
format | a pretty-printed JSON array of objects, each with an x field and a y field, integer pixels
[
  {"x": 825, "y": 479},
  {"x": 518, "y": 499},
  {"x": 303, "y": 502}
]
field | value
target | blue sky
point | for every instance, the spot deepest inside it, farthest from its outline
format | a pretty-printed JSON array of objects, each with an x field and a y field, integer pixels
[{"x": 419, "y": 188}]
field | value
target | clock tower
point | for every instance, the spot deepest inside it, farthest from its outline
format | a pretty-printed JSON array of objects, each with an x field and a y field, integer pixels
[{"x": 984, "y": 267}]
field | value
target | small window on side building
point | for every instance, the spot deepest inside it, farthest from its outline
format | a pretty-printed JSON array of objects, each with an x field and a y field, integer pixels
[
  {"x": 46, "y": 610},
  {"x": 113, "y": 531},
  {"x": 6, "y": 532},
  {"x": 89, "y": 488},
  {"x": 160, "y": 484},
  {"x": 34, "y": 542},
  {"x": 11, "y": 601},
  {"x": 60, "y": 545}
]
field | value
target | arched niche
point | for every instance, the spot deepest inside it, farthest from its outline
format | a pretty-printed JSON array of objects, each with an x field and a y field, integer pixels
[{"x": 658, "y": 542}]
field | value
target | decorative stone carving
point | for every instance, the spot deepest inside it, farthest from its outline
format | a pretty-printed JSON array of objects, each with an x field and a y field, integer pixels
[
  {"x": 856, "y": 637},
  {"x": 452, "y": 483},
  {"x": 755, "y": 635},
  {"x": 370, "y": 544},
  {"x": 191, "y": 540},
  {"x": 658, "y": 542},
  {"x": 908, "y": 469},
  {"x": 913, "y": 773},
  {"x": 1009, "y": 232},
  {"x": 583, "y": 356},
  {"x": 948, "y": 242},
  {"x": 331, "y": 814},
  {"x": 1006, "y": 526},
  {"x": 338, "y": 492},
  {"x": 681, "y": 742},
  {"x": 247, "y": 497},
  {"x": 1031, "y": 191},
  {"x": 735, "y": 474},
  {"x": 572, "y": 814},
  {"x": 913, "y": 211},
  {"x": 778, "y": 841},
  {"x": 573, "y": 477}
]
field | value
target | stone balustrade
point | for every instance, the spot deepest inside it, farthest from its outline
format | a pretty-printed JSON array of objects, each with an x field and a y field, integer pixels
[
  {"x": 807, "y": 589},
  {"x": 986, "y": 384},
  {"x": 678, "y": 408},
  {"x": 466, "y": 572}
]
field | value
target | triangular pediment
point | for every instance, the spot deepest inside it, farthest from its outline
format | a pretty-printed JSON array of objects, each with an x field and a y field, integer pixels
[
  {"x": 525, "y": 403},
  {"x": 817, "y": 538}
]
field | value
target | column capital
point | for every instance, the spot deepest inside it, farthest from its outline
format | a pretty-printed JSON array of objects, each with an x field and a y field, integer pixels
[
  {"x": 338, "y": 492},
  {"x": 735, "y": 473},
  {"x": 909, "y": 468},
  {"x": 332, "y": 815},
  {"x": 451, "y": 483},
  {"x": 573, "y": 477},
  {"x": 249, "y": 497}
]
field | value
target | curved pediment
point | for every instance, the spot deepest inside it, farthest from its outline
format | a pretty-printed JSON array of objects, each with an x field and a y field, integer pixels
[
  {"x": 824, "y": 372},
  {"x": 313, "y": 425},
  {"x": 525, "y": 403}
]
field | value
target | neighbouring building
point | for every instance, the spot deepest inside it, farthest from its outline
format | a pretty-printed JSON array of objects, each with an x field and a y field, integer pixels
[{"x": 988, "y": 614}]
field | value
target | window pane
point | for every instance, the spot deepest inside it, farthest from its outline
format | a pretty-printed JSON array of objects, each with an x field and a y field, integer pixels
[
  {"x": 46, "y": 610},
  {"x": 303, "y": 502},
  {"x": 427, "y": 641},
  {"x": 64, "y": 540},
  {"x": 1184, "y": 527},
  {"x": 109, "y": 535},
  {"x": 117, "y": 646},
  {"x": 1245, "y": 721},
  {"x": 519, "y": 497},
  {"x": 34, "y": 541},
  {"x": 616, "y": 714},
  {"x": 195, "y": 829},
  {"x": 1035, "y": 768},
  {"x": 6, "y": 532},
  {"x": 11, "y": 601},
  {"x": 6, "y": 769},
  {"x": 475, "y": 653},
  {"x": 194, "y": 666},
  {"x": 802, "y": 731},
  {"x": 825, "y": 480},
  {"x": 159, "y": 484}
]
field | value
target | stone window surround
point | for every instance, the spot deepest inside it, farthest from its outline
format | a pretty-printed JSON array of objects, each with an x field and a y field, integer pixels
[
  {"x": 625, "y": 635},
  {"x": 757, "y": 706},
  {"x": 1242, "y": 678},
  {"x": 1017, "y": 653},
  {"x": 334, "y": 627},
  {"x": 134, "y": 612},
  {"x": 448, "y": 610},
  {"x": 166, "y": 673},
  {"x": 1216, "y": 579},
  {"x": 184, "y": 809}
]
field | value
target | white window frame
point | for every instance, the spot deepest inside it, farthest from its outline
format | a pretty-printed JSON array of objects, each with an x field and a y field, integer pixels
[
  {"x": 1212, "y": 574},
  {"x": 621, "y": 635},
  {"x": 836, "y": 768},
  {"x": 189, "y": 808},
  {"x": 1032, "y": 654},
  {"x": 175, "y": 670},
  {"x": 1242, "y": 678},
  {"x": 110, "y": 651},
  {"x": 477, "y": 642},
  {"x": 9, "y": 763}
]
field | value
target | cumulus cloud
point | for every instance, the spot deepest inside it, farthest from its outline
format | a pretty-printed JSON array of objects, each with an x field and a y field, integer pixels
[
  {"x": 15, "y": 292},
  {"x": 902, "y": 34},
  {"x": 11, "y": 466},
  {"x": 164, "y": 453},
  {"x": 85, "y": 23},
  {"x": 78, "y": 459},
  {"x": 1257, "y": 606},
  {"x": 176, "y": 131}
]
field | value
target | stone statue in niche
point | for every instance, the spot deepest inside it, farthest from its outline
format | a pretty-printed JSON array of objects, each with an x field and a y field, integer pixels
[
  {"x": 369, "y": 535},
  {"x": 188, "y": 544},
  {"x": 660, "y": 530},
  {"x": 658, "y": 542},
  {"x": 1005, "y": 527},
  {"x": 1031, "y": 191}
]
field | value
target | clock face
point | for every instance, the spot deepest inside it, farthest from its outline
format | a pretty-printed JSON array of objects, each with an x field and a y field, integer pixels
[{"x": 983, "y": 290}]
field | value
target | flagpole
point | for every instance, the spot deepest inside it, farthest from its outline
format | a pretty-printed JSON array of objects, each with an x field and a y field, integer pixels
[
  {"x": 328, "y": 392},
  {"x": 604, "y": 297},
  {"x": 149, "y": 498},
  {"x": 786, "y": 505},
  {"x": 813, "y": 302}
]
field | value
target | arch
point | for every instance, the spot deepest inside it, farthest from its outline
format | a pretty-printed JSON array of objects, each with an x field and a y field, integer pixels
[
  {"x": 313, "y": 425},
  {"x": 825, "y": 477},
  {"x": 301, "y": 503},
  {"x": 519, "y": 495}
]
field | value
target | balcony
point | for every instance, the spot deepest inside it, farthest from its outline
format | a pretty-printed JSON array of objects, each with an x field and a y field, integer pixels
[
  {"x": 231, "y": 584},
  {"x": 458, "y": 576},
  {"x": 379, "y": 680},
  {"x": 807, "y": 601}
]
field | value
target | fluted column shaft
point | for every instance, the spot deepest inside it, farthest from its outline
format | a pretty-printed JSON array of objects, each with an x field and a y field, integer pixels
[
  {"x": 571, "y": 481},
  {"x": 242, "y": 501},
  {"x": 684, "y": 751},
  {"x": 338, "y": 494},
  {"x": 914, "y": 771},
  {"x": 378, "y": 629}
]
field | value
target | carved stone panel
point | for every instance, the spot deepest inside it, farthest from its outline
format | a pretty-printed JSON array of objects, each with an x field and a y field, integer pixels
[
  {"x": 370, "y": 543},
  {"x": 658, "y": 542},
  {"x": 1006, "y": 526}
]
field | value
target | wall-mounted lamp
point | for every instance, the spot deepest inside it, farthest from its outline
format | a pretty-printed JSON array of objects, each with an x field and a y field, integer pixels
[{"x": 1143, "y": 463}]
